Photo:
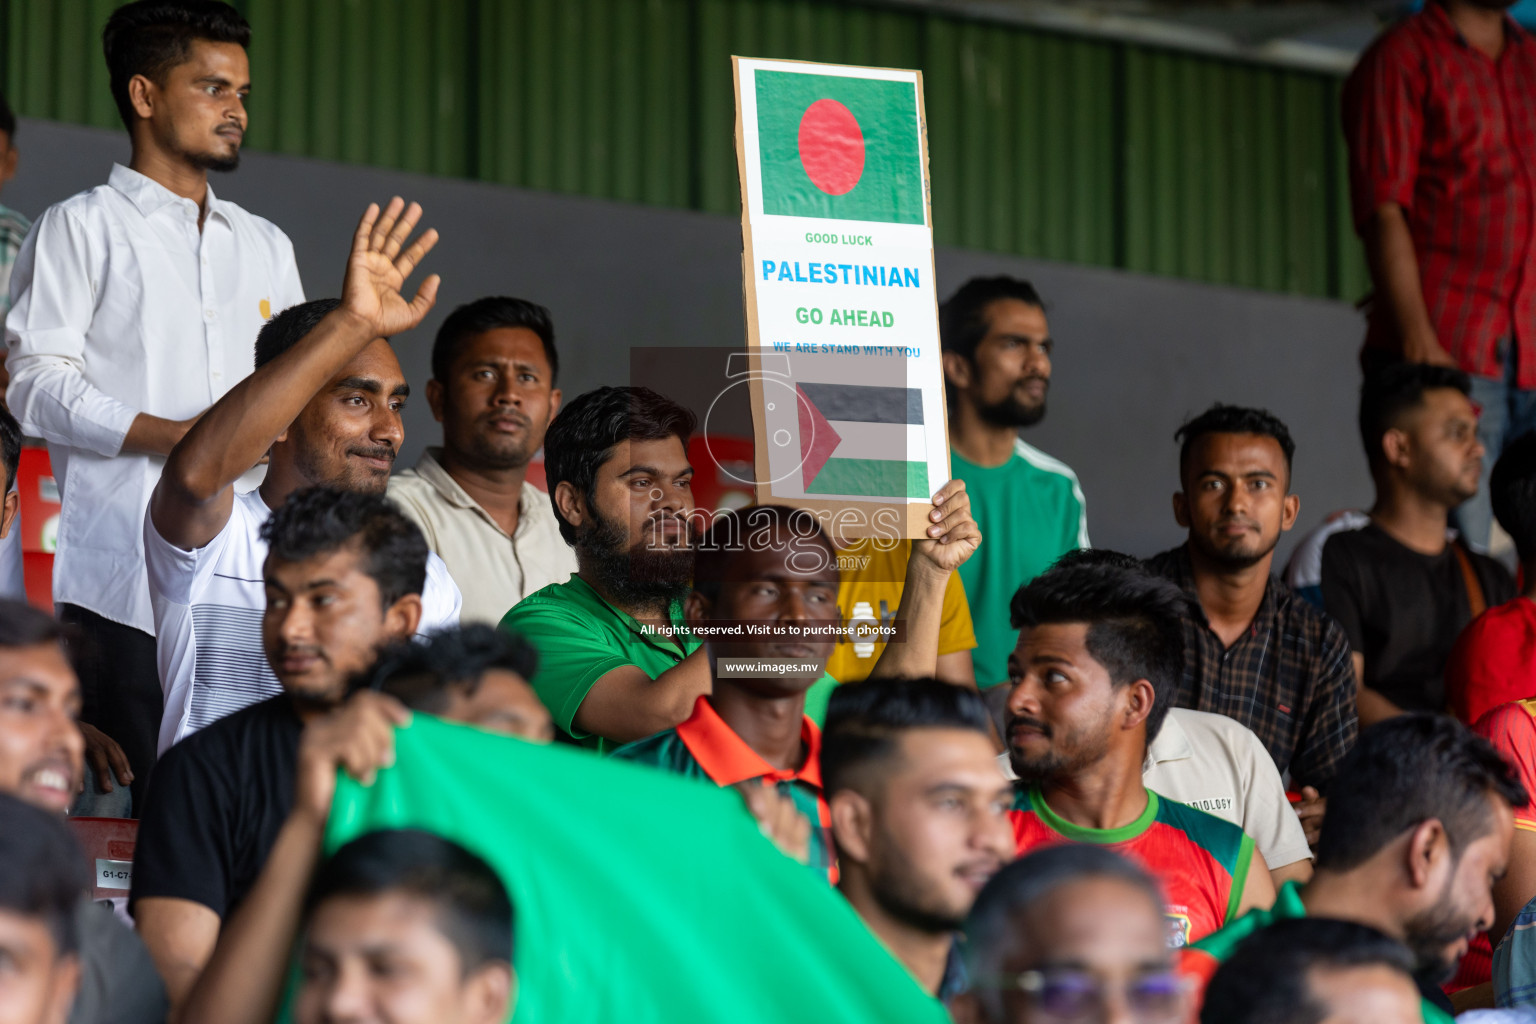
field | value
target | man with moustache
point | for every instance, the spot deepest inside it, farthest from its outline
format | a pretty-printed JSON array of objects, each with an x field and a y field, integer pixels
[
  {"x": 493, "y": 389},
  {"x": 42, "y": 762},
  {"x": 1253, "y": 650},
  {"x": 617, "y": 662},
  {"x": 919, "y": 812},
  {"x": 997, "y": 369},
  {"x": 1099, "y": 657},
  {"x": 1440, "y": 121},
  {"x": 135, "y": 306},
  {"x": 325, "y": 404},
  {"x": 1400, "y": 588},
  {"x": 1418, "y": 831},
  {"x": 771, "y": 566}
]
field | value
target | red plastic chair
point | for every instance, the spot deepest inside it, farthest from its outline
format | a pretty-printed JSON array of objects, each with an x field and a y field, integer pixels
[
  {"x": 39, "y": 523},
  {"x": 108, "y": 844}
]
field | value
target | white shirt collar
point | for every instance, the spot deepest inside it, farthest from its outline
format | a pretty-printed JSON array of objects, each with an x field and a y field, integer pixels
[
  {"x": 149, "y": 196},
  {"x": 1172, "y": 743}
]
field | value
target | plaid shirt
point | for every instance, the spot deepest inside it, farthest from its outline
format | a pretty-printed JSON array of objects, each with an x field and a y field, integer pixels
[
  {"x": 1449, "y": 135},
  {"x": 13, "y": 231},
  {"x": 1289, "y": 678}
]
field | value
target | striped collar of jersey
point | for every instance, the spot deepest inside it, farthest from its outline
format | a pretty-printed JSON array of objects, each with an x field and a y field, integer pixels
[
  {"x": 1029, "y": 798},
  {"x": 727, "y": 759}
]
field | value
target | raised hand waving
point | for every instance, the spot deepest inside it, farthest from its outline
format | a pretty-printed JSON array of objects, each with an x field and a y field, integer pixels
[{"x": 379, "y": 265}]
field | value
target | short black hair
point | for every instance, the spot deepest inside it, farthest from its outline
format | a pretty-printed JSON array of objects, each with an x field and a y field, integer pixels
[
  {"x": 1135, "y": 621},
  {"x": 1233, "y": 419},
  {"x": 1395, "y": 390},
  {"x": 994, "y": 918},
  {"x": 320, "y": 520},
  {"x": 1512, "y": 486},
  {"x": 589, "y": 427},
  {"x": 22, "y": 625},
  {"x": 474, "y": 911},
  {"x": 7, "y": 118},
  {"x": 1267, "y": 979},
  {"x": 10, "y": 448},
  {"x": 730, "y": 531},
  {"x": 152, "y": 36},
  {"x": 43, "y": 874},
  {"x": 962, "y": 317},
  {"x": 419, "y": 672},
  {"x": 288, "y": 328},
  {"x": 1405, "y": 771},
  {"x": 865, "y": 722},
  {"x": 488, "y": 314}
]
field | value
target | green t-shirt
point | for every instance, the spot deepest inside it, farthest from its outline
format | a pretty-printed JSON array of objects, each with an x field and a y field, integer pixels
[
  {"x": 1201, "y": 958},
  {"x": 580, "y": 637},
  {"x": 1030, "y": 512}
]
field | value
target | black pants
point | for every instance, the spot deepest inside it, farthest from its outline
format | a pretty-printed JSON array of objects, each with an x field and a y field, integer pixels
[{"x": 119, "y": 689}]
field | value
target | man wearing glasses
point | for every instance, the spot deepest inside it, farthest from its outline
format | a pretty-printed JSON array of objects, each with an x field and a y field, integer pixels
[{"x": 1070, "y": 934}]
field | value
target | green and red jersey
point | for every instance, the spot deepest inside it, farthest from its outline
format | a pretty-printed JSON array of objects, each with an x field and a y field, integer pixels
[
  {"x": 706, "y": 748},
  {"x": 1200, "y": 860},
  {"x": 1200, "y": 960}
]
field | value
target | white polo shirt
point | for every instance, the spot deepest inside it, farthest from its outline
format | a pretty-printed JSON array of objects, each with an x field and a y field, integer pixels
[
  {"x": 121, "y": 306},
  {"x": 208, "y": 608},
  {"x": 494, "y": 570},
  {"x": 1217, "y": 765}
]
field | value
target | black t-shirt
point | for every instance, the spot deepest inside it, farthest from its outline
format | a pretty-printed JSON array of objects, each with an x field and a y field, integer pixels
[
  {"x": 1403, "y": 610},
  {"x": 215, "y": 805}
]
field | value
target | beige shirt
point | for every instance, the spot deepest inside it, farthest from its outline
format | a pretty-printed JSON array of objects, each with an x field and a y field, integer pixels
[
  {"x": 493, "y": 571},
  {"x": 1217, "y": 765}
]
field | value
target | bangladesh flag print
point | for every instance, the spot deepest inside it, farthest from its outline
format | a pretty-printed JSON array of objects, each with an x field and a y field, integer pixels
[
  {"x": 639, "y": 897},
  {"x": 835, "y": 147}
]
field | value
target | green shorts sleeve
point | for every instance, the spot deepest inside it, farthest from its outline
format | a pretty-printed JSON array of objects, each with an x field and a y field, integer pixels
[{"x": 574, "y": 653}]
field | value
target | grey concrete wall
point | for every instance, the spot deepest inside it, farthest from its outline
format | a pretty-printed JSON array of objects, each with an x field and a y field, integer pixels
[{"x": 1135, "y": 354}]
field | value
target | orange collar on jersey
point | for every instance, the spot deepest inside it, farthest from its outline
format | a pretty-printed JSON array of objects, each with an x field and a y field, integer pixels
[{"x": 727, "y": 759}]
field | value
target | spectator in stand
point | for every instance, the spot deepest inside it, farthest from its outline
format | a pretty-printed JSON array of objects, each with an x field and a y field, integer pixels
[
  {"x": 919, "y": 814},
  {"x": 1417, "y": 834},
  {"x": 1312, "y": 971},
  {"x": 476, "y": 674},
  {"x": 1400, "y": 589},
  {"x": 493, "y": 389},
  {"x": 439, "y": 914},
  {"x": 1099, "y": 657},
  {"x": 1070, "y": 933},
  {"x": 616, "y": 660},
  {"x": 1254, "y": 651},
  {"x": 1217, "y": 765},
  {"x": 42, "y": 872},
  {"x": 325, "y": 404},
  {"x": 1511, "y": 728},
  {"x": 344, "y": 577},
  {"x": 1494, "y": 660},
  {"x": 1440, "y": 119},
  {"x": 11, "y": 585},
  {"x": 42, "y": 763},
  {"x": 13, "y": 230},
  {"x": 765, "y": 565},
  {"x": 135, "y": 307},
  {"x": 997, "y": 371}
]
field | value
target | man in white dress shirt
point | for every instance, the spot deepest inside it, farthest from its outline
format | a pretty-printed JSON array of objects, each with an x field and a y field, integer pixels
[
  {"x": 136, "y": 307},
  {"x": 325, "y": 404}
]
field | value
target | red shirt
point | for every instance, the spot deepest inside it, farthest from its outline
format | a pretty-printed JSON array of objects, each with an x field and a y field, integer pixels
[
  {"x": 1201, "y": 861},
  {"x": 1439, "y": 128},
  {"x": 1511, "y": 728},
  {"x": 1494, "y": 660}
]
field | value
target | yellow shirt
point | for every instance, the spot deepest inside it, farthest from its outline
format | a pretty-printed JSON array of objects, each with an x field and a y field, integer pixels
[{"x": 873, "y": 576}]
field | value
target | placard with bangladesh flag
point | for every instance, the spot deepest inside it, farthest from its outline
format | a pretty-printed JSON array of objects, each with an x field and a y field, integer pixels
[{"x": 842, "y": 318}]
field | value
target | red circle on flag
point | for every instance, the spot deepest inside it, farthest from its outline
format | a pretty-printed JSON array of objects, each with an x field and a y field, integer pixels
[{"x": 831, "y": 147}]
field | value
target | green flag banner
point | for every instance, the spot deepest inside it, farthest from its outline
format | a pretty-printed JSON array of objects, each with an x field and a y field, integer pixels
[
  {"x": 640, "y": 897},
  {"x": 839, "y": 147}
]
